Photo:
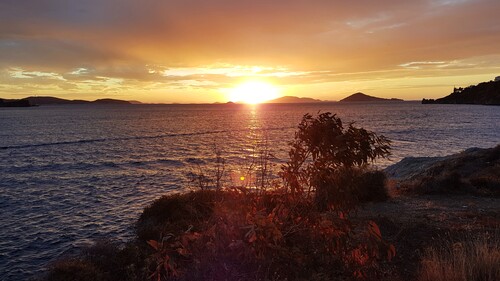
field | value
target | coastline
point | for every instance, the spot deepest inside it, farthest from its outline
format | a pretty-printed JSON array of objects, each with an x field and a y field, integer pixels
[{"x": 413, "y": 222}]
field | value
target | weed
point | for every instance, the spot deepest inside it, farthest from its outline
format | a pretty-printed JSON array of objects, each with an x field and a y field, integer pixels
[{"x": 473, "y": 259}]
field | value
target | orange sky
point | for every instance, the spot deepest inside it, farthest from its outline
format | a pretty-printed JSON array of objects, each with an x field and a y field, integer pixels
[{"x": 195, "y": 50}]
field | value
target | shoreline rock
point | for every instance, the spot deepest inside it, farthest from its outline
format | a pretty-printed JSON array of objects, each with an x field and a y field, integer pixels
[{"x": 474, "y": 171}]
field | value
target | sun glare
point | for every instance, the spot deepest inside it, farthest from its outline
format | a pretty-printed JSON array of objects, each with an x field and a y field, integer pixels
[{"x": 253, "y": 92}]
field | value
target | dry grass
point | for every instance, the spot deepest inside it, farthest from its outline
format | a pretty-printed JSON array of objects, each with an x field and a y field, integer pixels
[{"x": 476, "y": 258}]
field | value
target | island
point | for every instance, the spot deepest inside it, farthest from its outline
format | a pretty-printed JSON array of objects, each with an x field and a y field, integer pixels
[
  {"x": 46, "y": 100},
  {"x": 360, "y": 97},
  {"x": 486, "y": 93},
  {"x": 292, "y": 99}
]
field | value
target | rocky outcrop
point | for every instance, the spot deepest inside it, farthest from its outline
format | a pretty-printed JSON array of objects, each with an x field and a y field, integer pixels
[{"x": 474, "y": 171}]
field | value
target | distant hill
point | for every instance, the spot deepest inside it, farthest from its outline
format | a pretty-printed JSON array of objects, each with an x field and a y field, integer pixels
[
  {"x": 486, "y": 93},
  {"x": 111, "y": 101},
  {"x": 55, "y": 101},
  {"x": 292, "y": 99},
  {"x": 134, "y": 102},
  {"x": 360, "y": 97}
]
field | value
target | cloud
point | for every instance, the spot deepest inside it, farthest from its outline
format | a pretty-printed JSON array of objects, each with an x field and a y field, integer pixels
[{"x": 157, "y": 43}]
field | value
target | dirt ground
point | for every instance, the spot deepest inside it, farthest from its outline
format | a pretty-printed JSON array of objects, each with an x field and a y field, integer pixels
[{"x": 415, "y": 223}]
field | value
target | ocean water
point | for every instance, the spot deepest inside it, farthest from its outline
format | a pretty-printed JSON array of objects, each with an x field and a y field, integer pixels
[{"x": 73, "y": 174}]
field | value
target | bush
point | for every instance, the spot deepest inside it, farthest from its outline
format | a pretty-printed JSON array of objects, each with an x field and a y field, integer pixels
[
  {"x": 371, "y": 187},
  {"x": 74, "y": 269},
  {"x": 176, "y": 213},
  {"x": 325, "y": 159}
]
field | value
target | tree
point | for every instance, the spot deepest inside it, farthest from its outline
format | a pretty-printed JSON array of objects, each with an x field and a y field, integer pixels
[{"x": 326, "y": 157}]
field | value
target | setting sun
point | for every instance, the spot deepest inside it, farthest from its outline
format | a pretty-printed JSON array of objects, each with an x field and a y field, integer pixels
[{"x": 253, "y": 92}]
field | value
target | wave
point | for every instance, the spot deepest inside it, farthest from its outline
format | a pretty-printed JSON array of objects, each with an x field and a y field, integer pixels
[
  {"x": 136, "y": 138},
  {"x": 67, "y": 167}
]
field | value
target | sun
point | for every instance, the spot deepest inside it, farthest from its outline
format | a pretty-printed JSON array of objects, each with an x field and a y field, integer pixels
[{"x": 253, "y": 92}]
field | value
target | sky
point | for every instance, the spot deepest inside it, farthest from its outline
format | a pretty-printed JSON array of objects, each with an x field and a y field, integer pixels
[{"x": 196, "y": 51}]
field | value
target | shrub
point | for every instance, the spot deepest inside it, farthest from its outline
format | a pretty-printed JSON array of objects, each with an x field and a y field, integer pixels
[
  {"x": 176, "y": 213},
  {"x": 371, "y": 186},
  {"x": 102, "y": 261},
  {"x": 325, "y": 158},
  {"x": 74, "y": 269}
]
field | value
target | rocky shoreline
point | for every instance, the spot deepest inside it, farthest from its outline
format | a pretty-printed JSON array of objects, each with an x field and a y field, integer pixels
[{"x": 474, "y": 171}]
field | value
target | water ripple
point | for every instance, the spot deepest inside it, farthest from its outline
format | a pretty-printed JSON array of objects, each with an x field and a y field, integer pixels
[{"x": 70, "y": 176}]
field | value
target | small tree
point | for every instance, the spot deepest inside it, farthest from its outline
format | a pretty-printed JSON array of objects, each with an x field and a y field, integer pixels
[{"x": 325, "y": 159}]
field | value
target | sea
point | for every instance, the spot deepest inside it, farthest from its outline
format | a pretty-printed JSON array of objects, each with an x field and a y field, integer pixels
[{"x": 74, "y": 174}]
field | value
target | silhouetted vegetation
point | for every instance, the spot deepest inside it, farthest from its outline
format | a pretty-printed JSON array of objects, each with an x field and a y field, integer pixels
[
  {"x": 102, "y": 262},
  {"x": 372, "y": 186},
  {"x": 325, "y": 159},
  {"x": 175, "y": 213}
]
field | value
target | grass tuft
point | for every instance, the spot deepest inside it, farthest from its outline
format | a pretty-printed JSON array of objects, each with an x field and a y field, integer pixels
[{"x": 474, "y": 259}]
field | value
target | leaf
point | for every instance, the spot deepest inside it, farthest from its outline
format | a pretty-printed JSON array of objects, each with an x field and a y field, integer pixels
[
  {"x": 189, "y": 237},
  {"x": 166, "y": 263},
  {"x": 154, "y": 244},
  {"x": 391, "y": 252},
  {"x": 183, "y": 252},
  {"x": 253, "y": 237},
  {"x": 374, "y": 229},
  {"x": 342, "y": 215}
]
